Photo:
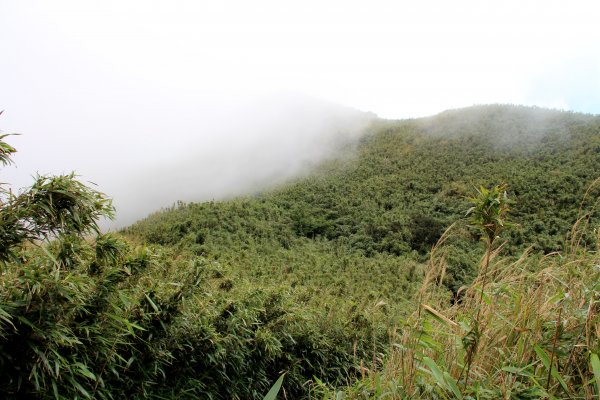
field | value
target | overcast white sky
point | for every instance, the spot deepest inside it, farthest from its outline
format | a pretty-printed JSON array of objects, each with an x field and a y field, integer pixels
[{"x": 114, "y": 89}]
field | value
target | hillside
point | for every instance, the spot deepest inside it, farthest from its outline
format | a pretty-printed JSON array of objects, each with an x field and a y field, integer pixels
[
  {"x": 364, "y": 279},
  {"x": 353, "y": 240},
  {"x": 395, "y": 192}
]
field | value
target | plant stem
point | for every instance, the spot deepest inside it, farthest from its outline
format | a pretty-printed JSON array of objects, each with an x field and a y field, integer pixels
[
  {"x": 488, "y": 252},
  {"x": 484, "y": 281},
  {"x": 553, "y": 348}
]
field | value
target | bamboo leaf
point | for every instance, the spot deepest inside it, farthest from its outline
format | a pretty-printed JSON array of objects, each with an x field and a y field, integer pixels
[
  {"x": 436, "y": 372},
  {"x": 439, "y": 316},
  {"x": 272, "y": 394},
  {"x": 154, "y": 306},
  {"x": 83, "y": 369},
  {"x": 596, "y": 368},
  {"x": 546, "y": 361},
  {"x": 453, "y": 385}
]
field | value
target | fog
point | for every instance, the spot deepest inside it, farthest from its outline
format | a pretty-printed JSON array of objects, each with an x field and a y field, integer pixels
[
  {"x": 251, "y": 148},
  {"x": 208, "y": 152},
  {"x": 163, "y": 101},
  {"x": 506, "y": 126}
]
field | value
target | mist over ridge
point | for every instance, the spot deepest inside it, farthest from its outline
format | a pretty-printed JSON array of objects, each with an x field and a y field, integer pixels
[
  {"x": 506, "y": 125},
  {"x": 252, "y": 147},
  {"x": 287, "y": 138},
  {"x": 283, "y": 138},
  {"x": 223, "y": 149}
]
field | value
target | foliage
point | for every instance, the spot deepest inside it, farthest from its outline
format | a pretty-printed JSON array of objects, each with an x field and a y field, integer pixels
[
  {"x": 338, "y": 280},
  {"x": 53, "y": 206},
  {"x": 272, "y": 395},
  {"x": 107, "y": 317},
  {"x": 392, "y": 195},
  {"x": 489, "y": 210},
  {"x": 488, "y": 214},
  {"x": 537, "y": 337}
]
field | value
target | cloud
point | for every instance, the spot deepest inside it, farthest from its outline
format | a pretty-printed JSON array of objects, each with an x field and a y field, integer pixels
[
  {"x": 115, "y": 89},
  {"x": 254, "y": 147}
]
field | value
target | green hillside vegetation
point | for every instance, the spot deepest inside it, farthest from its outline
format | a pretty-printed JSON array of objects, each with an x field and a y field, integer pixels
[
  {"x": 532, "y": 333},
  {"x": 389, "y": 199},
  {"x": 330, "y": 279},
  {"x": 84, "y": 316}
]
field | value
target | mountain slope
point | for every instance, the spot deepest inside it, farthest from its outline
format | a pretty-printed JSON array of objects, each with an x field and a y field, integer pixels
[
  {"x": 328, "y": 279},
  {"x": 359, "y": 226},
  {"x": 408, "y": 171},
  {"x": 408, "y": 180}
]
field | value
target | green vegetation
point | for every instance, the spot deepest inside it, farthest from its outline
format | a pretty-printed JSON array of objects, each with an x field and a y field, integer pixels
[
  {"x": 532, "y": 333},
  {"x": 363, "y": 280},
  {"x": 109, "y": 317},
  {"x": 381, "y": 207}
]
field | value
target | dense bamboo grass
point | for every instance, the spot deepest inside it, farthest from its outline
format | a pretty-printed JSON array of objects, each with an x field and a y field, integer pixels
[{"x": 524, "y": 329}]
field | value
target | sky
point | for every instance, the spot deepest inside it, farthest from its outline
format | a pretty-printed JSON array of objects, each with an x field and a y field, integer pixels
[{"x": 158, "y": 101}]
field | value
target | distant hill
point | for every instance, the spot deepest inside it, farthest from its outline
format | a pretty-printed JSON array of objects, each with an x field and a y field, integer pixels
[
  {"x": 238, "y": 150},
  {"x": 409, "y": 179},
  {"x": 379, "y": 207},
  {"x": 330, "y": 279}
]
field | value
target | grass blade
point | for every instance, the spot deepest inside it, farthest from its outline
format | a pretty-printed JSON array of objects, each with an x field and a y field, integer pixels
[
  {"x": 272, "y": 395},
  {"x": 595, "y": 361}
]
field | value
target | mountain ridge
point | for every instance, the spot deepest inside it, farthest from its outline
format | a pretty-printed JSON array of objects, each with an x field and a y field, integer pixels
[
  {"x": 395, "y": 192},
  {"x": 341, "y": 280}
]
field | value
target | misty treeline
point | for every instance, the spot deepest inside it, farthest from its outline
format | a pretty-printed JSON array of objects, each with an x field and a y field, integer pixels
[
  {"x": 393, "y": 197},
  {"x": 364, "y": 279},
  {"x": 108, "y": 317},
  {"x": 248, "y": 148}
]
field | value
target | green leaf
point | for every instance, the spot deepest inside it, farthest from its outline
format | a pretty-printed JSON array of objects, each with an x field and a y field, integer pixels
[
  {"x": 546, "y": 361},
  {"x": 83, "y": 369},
  {"x": 453, "y": 385},
  {"x": 26, "y": 322},
  {"x": 154, "y": 306},
  {"x": 80, "y": 388},
  {"x": 518, "y": 371},
  {"x": 55, "y": 389},
  {"x": 512, "y": 370},
  {"x": 596, "y": 368},
  {"x": 436, "y": 372},
  {"x": 272, "y": 395},
  {"x": 443, "y": 379}
]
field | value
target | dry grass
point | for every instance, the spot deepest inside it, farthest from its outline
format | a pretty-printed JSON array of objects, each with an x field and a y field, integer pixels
[{"x": 532, "y": 336}]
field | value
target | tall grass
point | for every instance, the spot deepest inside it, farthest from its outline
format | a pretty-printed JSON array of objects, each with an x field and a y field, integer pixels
[{"x": 526, "y": 328}]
